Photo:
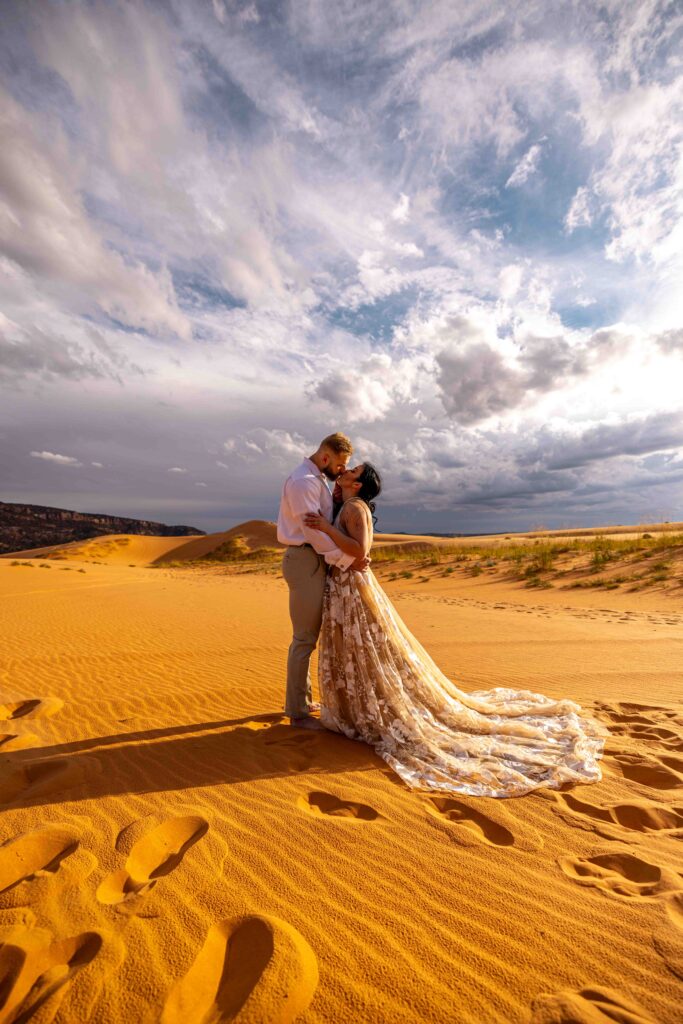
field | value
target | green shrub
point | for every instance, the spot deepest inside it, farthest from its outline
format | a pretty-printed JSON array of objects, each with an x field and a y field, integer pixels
[{"x": 602, "y": 552}]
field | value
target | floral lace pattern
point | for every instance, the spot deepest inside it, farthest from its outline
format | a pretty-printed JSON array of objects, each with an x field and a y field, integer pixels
[{"x": 380, "y": 686}]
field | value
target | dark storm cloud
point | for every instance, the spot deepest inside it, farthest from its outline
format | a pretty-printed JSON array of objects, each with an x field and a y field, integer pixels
[
  {"x": 528, "y": 486},
  {"x": 658, "y": 432}
]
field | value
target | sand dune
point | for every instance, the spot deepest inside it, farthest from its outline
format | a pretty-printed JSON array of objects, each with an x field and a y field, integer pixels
[
  {"x": 173, "y": 851},
  {"x": 133, "y": 549},
  {"x": 258, "y": 534}
]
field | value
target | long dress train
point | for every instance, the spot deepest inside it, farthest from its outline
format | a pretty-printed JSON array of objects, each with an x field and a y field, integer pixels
[{"x": 379, "y": 685}]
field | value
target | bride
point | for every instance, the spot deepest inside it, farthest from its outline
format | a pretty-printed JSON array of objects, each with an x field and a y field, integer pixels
[{"x": 379, "y": 685}]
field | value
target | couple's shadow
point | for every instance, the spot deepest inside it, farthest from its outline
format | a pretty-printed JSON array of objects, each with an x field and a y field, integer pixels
[{"x": 176, "y": 758}]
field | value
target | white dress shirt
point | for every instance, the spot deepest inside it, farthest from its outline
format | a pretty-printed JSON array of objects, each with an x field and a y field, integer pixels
[{"x": 306, "y": 490}]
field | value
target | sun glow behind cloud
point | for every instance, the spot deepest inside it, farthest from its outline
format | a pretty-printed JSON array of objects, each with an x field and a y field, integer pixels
[{"x": 454, "y": 230}]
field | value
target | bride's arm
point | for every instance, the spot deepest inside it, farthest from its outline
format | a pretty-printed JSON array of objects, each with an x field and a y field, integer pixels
[
  {"x": 347, "y": 544},
  {"x": 356, "y": 520}
]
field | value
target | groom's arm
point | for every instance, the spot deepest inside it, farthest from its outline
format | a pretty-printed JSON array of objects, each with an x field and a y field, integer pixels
[{"x": 304, "y": 496}]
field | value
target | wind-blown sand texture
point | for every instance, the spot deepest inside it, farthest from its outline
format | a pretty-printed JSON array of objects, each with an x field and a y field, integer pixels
[{"x": 173, "y": 851}]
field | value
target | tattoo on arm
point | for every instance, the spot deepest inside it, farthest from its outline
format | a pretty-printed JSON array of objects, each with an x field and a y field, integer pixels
[
  {"x": 356, "y": 523},
  {"x": 355, "y": 518}
]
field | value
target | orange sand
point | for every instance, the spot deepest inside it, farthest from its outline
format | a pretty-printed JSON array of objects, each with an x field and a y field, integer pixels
[{"x": 174, "y": 852}]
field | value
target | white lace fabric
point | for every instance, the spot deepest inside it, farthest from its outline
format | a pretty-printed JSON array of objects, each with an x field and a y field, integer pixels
[{"x": 379, "y": 685}]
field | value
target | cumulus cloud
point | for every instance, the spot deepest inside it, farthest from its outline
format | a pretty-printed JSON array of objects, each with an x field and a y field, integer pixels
[
  {"x": 477, "y": 383},
  {"x": 176, "y": 469},
  {"x": 670, "y": 341},
  {"x": 510, "y": 279},
  {"x": 274, "y": 444},
  {"x": 481, "y": 375},
  {"x": 372, "y": 388},
  {"x": 61, "y": 460},
  {"x": 359, "y": 397},
  {"x": 546, "y": 360}
]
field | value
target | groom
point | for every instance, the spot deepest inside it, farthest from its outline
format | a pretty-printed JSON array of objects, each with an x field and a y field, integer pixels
[{"x": 304, "y": 564}]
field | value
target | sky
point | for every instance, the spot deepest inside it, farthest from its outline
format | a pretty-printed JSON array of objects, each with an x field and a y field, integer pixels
[{"x": 452, "y": 230}]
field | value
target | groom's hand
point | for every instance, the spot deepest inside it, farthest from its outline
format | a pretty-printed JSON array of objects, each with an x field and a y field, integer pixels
[
  {"x": 361, "y": 564},
  {"x": 315, "y": 521}
]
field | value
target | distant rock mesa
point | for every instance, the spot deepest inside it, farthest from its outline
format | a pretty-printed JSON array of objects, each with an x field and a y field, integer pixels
[{"x": 36, "y": 526}]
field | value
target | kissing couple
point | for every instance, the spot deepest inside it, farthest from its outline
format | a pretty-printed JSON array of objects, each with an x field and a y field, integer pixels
[{"x": 378, "y": 684}]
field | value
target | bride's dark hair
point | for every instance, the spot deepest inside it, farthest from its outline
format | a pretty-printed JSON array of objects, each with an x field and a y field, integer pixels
[{"x": 371, "y": 487}]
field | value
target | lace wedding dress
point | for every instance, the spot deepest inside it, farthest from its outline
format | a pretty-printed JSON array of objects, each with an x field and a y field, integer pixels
[{"x": 379, "y": 685}]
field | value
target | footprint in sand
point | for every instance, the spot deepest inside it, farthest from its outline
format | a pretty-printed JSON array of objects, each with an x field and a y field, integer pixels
[
  {"x": 638, "y": 714},
  {"x": 637, "y": 816},
  {"x": 644, "y": 723},
  {"x": 625, "y": 712},
  {"x": 477, "y": 824},
  {"x": 668, "y": 941},
  {"x": 634, "y": 708},
  {"x": 650, "y": 734},
  {"x": 253, "y": 968},
  {"x": 33, "y": 970},
  {"x": 321, "y": 804},
  {"x": 26, "y": 855},
  {"x": 660, "y": 773},
  {"x": 588, "y": 1006},
  {"x": 154, "y": 855},
  {"x": 619, "y": 874},
  {"x": 300, "y": 748},
  {"x": 30, "y": 709},
  {"x": 292, "y": 739}
]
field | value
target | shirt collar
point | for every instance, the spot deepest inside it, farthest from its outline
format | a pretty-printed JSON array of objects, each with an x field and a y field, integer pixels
[
  {"x": 316, "y": 472},
  {"x": 312, "y": 466}
]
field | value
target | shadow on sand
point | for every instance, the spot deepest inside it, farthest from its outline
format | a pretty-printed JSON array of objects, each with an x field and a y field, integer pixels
[{"x": 182, "y": 757}]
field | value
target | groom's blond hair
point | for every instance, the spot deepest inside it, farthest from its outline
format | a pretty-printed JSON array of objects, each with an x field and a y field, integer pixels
[{"x": 338, "y": 443}]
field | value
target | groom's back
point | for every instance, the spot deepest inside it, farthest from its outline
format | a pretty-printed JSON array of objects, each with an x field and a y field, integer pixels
[{"x": 302, "y": 483}]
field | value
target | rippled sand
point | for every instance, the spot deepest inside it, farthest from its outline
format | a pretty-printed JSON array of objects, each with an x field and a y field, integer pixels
[{"x": 173, "y": 851}]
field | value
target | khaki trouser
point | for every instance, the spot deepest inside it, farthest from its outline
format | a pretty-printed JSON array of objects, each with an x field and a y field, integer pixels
[{"x": 305, "y": 572}]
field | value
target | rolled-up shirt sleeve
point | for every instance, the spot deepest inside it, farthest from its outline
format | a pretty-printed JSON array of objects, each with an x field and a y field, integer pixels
[{"x": 304, "y": 496}]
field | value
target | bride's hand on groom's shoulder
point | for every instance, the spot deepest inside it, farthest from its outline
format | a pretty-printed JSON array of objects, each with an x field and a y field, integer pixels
[{"x": 315, "y": 521}]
